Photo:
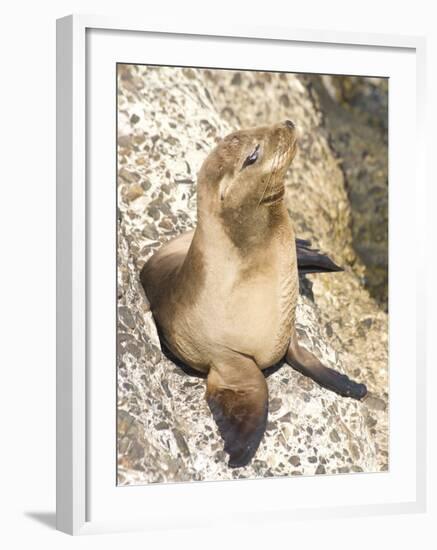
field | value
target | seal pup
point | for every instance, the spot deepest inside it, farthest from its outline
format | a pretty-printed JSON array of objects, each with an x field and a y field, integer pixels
[{"x": 224, "y": 296}]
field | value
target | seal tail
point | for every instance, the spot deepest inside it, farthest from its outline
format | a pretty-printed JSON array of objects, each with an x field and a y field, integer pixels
[{"x": 312, "y": 261}]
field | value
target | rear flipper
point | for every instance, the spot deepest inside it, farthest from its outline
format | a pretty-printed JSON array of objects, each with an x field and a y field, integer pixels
[
  {"x": 306, "y": 363},
  {"x": 238, "y": 398},
  {"x": 311, "y": 260}
]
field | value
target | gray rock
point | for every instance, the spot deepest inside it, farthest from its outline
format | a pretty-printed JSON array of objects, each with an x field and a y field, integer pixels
[
  {"x": 375, "y": 403},
  {"x": 125, "y": 317},
  {"x": 294, "y": 460}
]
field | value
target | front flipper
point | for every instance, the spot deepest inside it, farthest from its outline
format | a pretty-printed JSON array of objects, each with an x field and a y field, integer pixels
[
  {"x": 306, "y": 363},
  {"x": 311, "y": 260},
  {"x": 238, "y": 398}
]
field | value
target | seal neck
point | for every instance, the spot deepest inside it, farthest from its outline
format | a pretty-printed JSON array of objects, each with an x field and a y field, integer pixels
[{"x": 245, "y": 228}]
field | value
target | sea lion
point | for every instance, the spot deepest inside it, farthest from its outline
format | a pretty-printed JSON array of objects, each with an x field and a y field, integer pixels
[{"x": 224, "y": 296}]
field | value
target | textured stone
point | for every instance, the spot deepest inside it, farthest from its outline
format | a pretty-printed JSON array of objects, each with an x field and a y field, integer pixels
[
  {"x": 355, "y": 122},
  {"x": 166, "y": 431}
]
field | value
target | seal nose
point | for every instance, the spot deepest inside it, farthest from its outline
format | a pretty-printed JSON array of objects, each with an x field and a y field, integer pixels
[{"x": 290, "y": 124}]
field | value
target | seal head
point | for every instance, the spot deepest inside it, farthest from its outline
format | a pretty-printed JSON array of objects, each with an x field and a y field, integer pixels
[{"x": 242, "y": 181}]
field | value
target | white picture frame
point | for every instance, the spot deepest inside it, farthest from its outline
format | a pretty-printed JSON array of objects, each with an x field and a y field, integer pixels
[{"x": 74, "y": 396}]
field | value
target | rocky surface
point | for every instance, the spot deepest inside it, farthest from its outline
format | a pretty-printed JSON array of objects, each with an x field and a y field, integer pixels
[
  {"x": 355, "y": 116},
  {"x": 169, "y": 119}
]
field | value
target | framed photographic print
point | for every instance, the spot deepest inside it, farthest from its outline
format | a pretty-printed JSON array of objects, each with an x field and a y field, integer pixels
[{"x": 234, "y": 305}]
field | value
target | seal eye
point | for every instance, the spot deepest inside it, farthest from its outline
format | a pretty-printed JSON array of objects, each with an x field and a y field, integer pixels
[{"x": 252, "y": 158}]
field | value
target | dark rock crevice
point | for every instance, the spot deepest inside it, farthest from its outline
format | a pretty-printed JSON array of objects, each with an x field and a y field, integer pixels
[{"x": 355, "y": 123}]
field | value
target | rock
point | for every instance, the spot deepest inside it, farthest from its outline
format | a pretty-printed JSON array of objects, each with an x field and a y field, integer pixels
[
  {"x": 150, "y": 232},
  {"x": 375, "y": 403},
  {"x": 128, "y": 175},
  {"x": 275, "y": 404},
  {"x": 355, "y": 120},
  {"x": 294, "y": 460},
  {"x": 166, "y": 431},
  {"x": 134, "y": 118},
  {"x": 125, "y": 316},
  {"x": 133, "y": 192},
  {"x": 162, "y": 426}
]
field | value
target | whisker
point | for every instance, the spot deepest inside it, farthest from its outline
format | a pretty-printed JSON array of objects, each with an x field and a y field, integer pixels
[
  {"x": 276, "y": 163},
  {"x": 275, "y": 169},
  {"x": 271, "y": 176}
]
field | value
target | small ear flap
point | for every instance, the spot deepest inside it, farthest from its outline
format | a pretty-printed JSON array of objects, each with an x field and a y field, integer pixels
[
  {"x": 238, "y": 398},
  {"x": 225, "y": 184}
]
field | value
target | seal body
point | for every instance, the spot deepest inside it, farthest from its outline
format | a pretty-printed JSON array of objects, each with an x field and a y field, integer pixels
[
  {"x": 220, "y": 300},
  {"x": 224, "y": 297},
  {"x": 236, "y": 286}
]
